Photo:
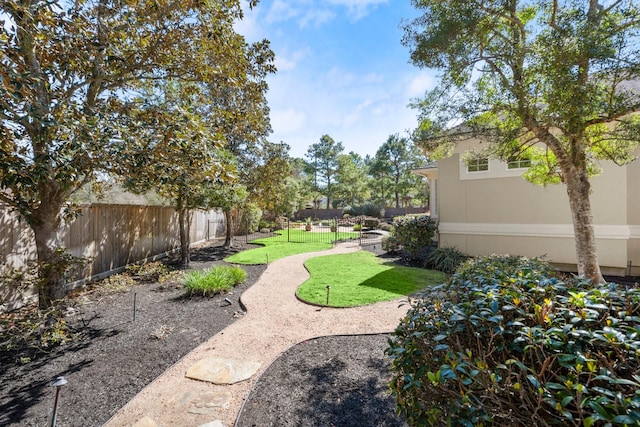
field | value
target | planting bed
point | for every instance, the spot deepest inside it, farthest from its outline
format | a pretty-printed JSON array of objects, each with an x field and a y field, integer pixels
[{"x": 338, "y": 380}]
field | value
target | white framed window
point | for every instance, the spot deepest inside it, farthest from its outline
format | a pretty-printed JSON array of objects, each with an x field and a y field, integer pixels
[
  {"x": 478, "y": 165},
  {"x": 513, "y": 163}
]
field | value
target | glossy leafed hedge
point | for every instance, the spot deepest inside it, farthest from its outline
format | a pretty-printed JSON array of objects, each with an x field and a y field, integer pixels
[{"x": 506, "y": 342}]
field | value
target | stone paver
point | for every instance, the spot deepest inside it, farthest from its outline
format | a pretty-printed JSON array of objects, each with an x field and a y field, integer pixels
[
  {"x": 218, "y": 370},
  {"x": 275, "y": 321}
]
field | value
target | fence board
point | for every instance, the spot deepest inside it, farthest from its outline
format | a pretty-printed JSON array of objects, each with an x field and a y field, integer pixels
[{"x": 110, "y": 236}]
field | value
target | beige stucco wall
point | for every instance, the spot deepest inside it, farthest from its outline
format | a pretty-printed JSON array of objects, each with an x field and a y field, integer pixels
[
  {"x": 493, "y": 212},
  {"x": 633, "y": 214}
]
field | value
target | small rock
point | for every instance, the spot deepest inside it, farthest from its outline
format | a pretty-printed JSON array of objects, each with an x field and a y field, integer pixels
[{"x": 216, "y": 423}]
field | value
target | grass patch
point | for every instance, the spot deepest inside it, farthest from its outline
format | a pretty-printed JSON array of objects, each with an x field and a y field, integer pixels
[
  {"x": 213, "y": 280},
  {"x": 275, "y": 250},
  {"x": 287, "y": 243},
  {"x": 362, "y": 278}
]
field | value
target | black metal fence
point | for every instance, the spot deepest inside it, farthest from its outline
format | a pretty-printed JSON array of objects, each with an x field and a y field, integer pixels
[{"x": 320, "y": 231}]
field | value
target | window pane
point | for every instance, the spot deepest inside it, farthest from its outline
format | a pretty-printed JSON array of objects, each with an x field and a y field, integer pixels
[{"x": 478, "y": 165}]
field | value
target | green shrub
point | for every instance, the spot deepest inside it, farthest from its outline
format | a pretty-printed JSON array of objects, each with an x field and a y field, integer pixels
[
  {"x": 281, "y": 223},
  {"x": 28, "y": 333},
  {"x": 414, "y": 233},
  {"x": 213, "y": 280},
  {"x": 371, "y": 223},
  {"x": 357, "y": 227},
  {"x": 446, "y": 260},
  {"x": 508, "y": 343},
  {"x": 384, "y": 226},
  {"x": 366, "y": 209},
  {"x": 264, "y": 224},
  {"x": 390, "y": 244}
]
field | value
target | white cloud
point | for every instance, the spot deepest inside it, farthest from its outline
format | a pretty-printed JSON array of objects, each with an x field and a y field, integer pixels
[
  {"x": 286, "y": 61},
  {"x": 339, "y": 78},
  {"x": 305, "y": 12},
  {"x": 316, "y": 13},
  {"x": 316, "y": 17},
  {"x": 249, "y": 26},
  {"x": 287, "y": 121},
  {"x": 419, "y": 85},
  {"x": 280, "y": 11},
  {"x": 358, "y": 9}
]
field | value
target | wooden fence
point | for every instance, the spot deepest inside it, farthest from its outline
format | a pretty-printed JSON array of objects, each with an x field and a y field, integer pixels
[{"x": 109, "y": 236}]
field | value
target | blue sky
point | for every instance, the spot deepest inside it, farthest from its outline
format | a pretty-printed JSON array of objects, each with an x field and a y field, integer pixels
[{"x": 342, "y": 71}]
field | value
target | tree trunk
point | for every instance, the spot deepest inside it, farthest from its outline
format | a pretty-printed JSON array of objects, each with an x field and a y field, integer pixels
[
  {"x": 51, "y": 283},
  {"x": 184, "y": 223},
  {"x": 578, "y": 189},
  {"x": 229, "y": 232}
]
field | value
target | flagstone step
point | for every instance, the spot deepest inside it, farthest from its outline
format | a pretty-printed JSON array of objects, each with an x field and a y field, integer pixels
[{"x": 219, "y": 370}]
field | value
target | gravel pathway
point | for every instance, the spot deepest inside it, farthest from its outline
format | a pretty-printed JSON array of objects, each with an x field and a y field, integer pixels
[{"x": 275, "y": 321}]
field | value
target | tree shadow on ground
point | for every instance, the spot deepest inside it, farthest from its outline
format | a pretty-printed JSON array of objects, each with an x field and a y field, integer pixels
[
  {"x": 23, "y": 396},
  {"x": 337, "y": 400}
]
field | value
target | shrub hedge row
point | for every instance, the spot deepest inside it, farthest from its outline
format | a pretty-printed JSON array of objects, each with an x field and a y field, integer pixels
[{"x": 508, "y": 342}]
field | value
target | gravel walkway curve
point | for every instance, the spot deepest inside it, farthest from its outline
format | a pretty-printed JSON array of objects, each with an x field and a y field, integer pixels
[{"x": 275, "y": 320}]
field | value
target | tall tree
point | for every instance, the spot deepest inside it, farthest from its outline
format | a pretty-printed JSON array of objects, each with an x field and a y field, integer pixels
[
  {"x": 301, "y": 182},
  {"x": 268, "y": 179},
  {"x": 67, "y": 70},
  {"x": 380, "y": 172},
  {"x": 176, "y": 152},
  {"x": 400, "y": 157},
  {"x": 227, "y": 197},
  {"x": 551, "y": 81},
  {"x": 352, "y": 184},
  {"x": 322, "y": 165}
]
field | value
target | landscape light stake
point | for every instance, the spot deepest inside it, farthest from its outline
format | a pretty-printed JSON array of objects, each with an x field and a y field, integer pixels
[
  {"x": 134, "y": 306},
  {"x": 328, "y": 288},
  {"x": 58, "y": 383}
]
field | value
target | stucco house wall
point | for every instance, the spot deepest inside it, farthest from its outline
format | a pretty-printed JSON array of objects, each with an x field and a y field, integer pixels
[{"x": 497, "y": 211}]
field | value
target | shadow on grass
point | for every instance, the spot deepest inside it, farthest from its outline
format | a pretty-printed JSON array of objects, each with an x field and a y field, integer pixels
[
  {"x": 400, "y": 281},
  {"x": 395, "y": 282}
]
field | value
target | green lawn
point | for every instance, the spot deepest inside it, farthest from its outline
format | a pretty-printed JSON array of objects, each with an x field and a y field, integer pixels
[
  {"x": 275, "y": 251},
  {"x": 361, "y": 278},
  {"x": 277, "y": 247}
]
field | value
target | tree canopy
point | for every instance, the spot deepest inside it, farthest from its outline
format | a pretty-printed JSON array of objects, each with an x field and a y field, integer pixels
[
  {"x": 552, "y": 81},
  {"x": 322, "y": 165},
  {"x": 69, "y": 72}
]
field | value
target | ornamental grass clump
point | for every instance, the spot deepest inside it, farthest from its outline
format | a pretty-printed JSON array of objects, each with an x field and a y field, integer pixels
[
  {"x": 445, "y": 259},
  {"x": 507, "y": 342},
  {"x": 213, "y": 280}
]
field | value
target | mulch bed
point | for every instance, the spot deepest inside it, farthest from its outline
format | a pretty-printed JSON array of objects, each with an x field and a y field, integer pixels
[
  {"x": 113, "y": 357},
  {"x": 339, "y": 380},
  {"x": 328, "y": 381}
]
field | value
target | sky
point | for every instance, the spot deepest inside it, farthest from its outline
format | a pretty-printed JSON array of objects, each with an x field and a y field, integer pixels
[{"x": 342, "y": 71}]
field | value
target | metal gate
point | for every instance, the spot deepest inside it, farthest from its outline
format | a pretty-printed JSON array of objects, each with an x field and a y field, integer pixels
[{"x": 318, "y": 231}]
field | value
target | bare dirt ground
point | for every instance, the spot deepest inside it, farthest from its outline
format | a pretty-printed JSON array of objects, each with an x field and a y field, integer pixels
[{"x": 338, "y": 380}]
